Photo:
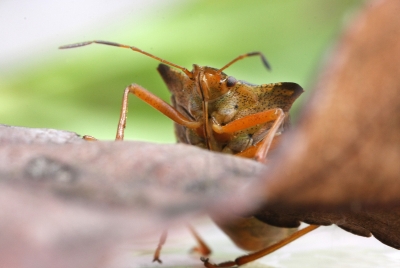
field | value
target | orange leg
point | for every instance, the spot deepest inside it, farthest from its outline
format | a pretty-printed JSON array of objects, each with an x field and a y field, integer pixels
[
  {"x": 259, "y": 254},
  {"x": 251, "y": 151},
  {"x": 156, "y": 103},
  {"x": 177, "y": 117},
  {"x": 261, "y": 154},
  {"x": 277, "y": 115},
  {"x": 89, "y": 138},
  {"x": 249, "y": 121},
  {"x": 163, "y": 238},
  {"x": 202, "y": 247}
]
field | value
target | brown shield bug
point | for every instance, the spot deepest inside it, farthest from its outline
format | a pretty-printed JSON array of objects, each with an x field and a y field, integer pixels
[{"x": 214, "y": 111}]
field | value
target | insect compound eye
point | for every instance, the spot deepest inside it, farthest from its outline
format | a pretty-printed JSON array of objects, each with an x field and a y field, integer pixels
[{"x": 230, "y": 81}]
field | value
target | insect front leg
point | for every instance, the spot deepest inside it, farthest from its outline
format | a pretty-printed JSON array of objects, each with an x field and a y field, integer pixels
[
  {"x": 157, "y": 104},
  {"x": 89, "y": 138},
  {"x": 202, "y": 248},
  {"x": 163, "y": 238},
  {"x": 260, "y": 150},
  {"x": 263, "y": 149}
]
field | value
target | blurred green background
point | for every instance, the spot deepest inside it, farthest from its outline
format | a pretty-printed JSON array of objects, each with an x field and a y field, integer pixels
[{"x": 81, "y": 89}]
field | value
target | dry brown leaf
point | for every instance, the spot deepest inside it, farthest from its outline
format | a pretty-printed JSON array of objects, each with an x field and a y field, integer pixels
[{"x": 341, "y": 164}]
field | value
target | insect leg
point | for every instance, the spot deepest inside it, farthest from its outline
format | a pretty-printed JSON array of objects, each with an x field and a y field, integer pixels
[
  {"x": 259, "y": 254},
  {"x": 277, "y": 115},
  {"x": 89, "y": 138},
  {"x": 163, "y": 238},
  {"x": 156, "y": 103},
  {"x": 251, "y": 151},
  {"x": 249, "y": 121},
  {"x": 263, "y": 149},
  {"x": 202, "y": 247}
]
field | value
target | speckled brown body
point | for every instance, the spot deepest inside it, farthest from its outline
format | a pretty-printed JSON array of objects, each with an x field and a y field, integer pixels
[
  {"x": 250, "y": 233},
  {"x": 215, "y": 111},
  {"x": 226, "y": 104}
]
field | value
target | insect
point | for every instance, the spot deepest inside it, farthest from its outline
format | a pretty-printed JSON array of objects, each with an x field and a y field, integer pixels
[{"x": 215, "y": 111}]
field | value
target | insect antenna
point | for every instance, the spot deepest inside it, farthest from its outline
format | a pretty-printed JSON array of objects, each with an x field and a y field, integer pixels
[
  {"x": 186, "y": 71},
  {"x": 263, "y": 59}
]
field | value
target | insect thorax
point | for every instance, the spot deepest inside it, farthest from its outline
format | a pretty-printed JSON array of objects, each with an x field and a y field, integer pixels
[{"x": 212, "y": 97}]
